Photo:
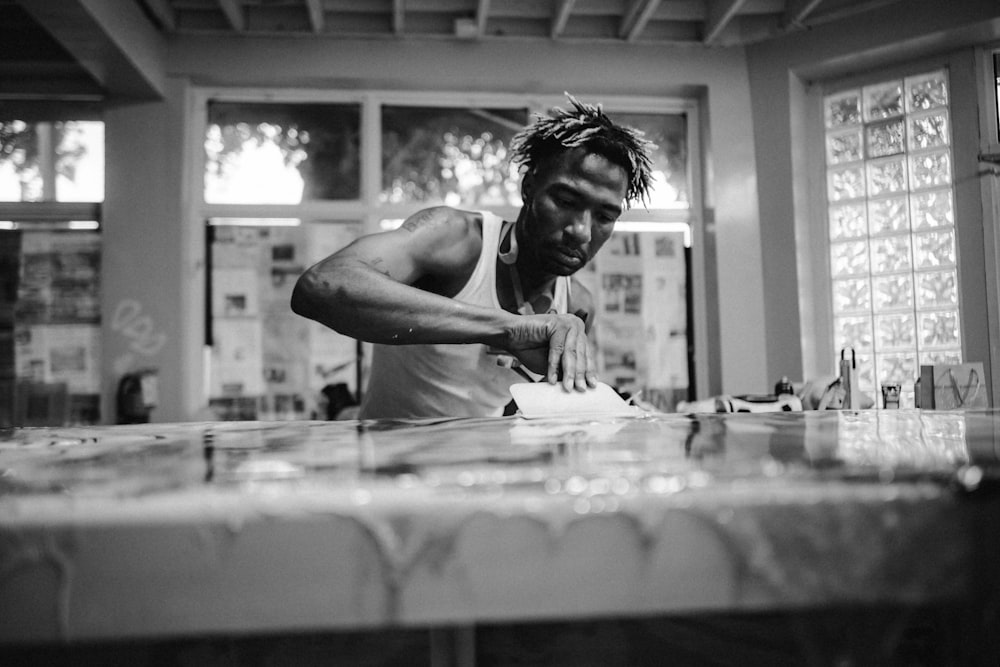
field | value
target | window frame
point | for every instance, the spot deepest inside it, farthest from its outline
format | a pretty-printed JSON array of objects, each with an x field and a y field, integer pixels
[
  {"x": 987, "y": 72},
  {"x": 48, "y": 212},
  {"x": 369, "y": 211},
  {"x": 966, "y": 100}
]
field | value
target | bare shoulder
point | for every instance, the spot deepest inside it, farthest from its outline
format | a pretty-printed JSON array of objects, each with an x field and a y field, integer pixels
[
  {"x": 444, "y": 220},
  {"x": 442, "y": 238}
]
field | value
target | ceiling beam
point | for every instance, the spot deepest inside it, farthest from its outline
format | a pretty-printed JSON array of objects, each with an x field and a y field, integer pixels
[
  {"x": 317, "y": 20},
  {"x": 398, "y": 15},
  {"x": 797, "y": 12},
  {"x": 482, "y": 14},
  {"x": 163, "y": 12},
  {"x": 561, "y": 17},
  {"x": 233, "y": 9},
  {"x": 720, "y": 14},
  {"x": 113, "y": 41},
  {"x": 836, "y": 13},
  {"x": 636, "y": 18}
]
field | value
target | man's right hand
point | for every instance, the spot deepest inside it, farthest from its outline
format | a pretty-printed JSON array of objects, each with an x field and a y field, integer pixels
[{"x": 557, "y": 347}]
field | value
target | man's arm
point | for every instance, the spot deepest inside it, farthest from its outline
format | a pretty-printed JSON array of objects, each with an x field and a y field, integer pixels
[
  {"x": 395, "y": 287},
  {"x": 367, "y": 289}
]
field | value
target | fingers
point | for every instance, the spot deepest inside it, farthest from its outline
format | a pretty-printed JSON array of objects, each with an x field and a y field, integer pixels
[{"x": 570, "y": 358}]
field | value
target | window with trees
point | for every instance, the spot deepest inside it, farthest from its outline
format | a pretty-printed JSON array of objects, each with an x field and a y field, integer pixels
[
  {"x": 51, "y": 189},
  {"x": 288, "y": 182}
]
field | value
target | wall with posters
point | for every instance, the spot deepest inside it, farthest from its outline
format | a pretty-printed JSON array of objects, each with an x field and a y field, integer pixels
[
  {"x": 640, "y": 288},
  {"x": 57, "y": 321},
  {"x": 267, "y": 362}
]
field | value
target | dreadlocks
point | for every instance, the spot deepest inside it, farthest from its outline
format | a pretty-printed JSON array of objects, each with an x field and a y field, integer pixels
[{"x": 588, "y": 126}]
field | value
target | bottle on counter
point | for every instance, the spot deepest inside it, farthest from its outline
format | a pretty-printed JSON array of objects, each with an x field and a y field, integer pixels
[
  {"x": 784, "y": 387},
  {"x": 890, "y": 395}
]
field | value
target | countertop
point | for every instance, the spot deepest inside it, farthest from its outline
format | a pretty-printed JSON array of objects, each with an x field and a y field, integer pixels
[{"x": 162, "y": 530}]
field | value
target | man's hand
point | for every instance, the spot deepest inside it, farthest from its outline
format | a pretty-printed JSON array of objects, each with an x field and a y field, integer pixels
[{"x": 555, "y": 346}]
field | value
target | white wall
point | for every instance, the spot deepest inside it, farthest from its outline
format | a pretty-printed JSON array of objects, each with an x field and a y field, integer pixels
[{"x": 148, "y": 265}]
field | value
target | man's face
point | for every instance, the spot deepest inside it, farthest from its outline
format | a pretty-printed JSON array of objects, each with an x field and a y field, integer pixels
[{"x": 571, "y": 206}]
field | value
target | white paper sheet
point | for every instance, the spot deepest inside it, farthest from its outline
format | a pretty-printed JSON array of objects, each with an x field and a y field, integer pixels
[{"x": 541, "y": 399}]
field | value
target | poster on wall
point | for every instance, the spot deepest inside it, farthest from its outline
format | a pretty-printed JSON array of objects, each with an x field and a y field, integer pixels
[
  {"x": 641, "y": 327},
  {"x": 59, "y": 278},
  {"x": 67, "y": 353},
  {"x": 260, "y": 347},
  {"x": 237, "y": 361},
  {"x": 285, "y": 335},
  {"x": 332, "y": 356},
  {"x": 235, "y": 292}
]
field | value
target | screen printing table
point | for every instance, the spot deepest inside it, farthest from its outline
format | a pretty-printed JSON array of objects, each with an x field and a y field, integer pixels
[{"x": 562, "y": 541}]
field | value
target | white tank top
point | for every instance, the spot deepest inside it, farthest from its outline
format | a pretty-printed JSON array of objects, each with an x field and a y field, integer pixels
[{"x": 408, "y": 381}]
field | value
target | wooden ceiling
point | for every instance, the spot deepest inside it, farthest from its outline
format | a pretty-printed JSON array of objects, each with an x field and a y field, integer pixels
[
  {"x": 116, "y": 48},
  {"x": 684, "y": 22}
]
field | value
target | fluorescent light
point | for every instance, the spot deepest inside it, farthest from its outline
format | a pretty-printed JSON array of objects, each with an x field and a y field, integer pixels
[
  {"x": 84, "y": 224},
  {"x": 632, "y": 226},
  {"x": 255, "y": 222},
  {"x": 620, "y": 226}
]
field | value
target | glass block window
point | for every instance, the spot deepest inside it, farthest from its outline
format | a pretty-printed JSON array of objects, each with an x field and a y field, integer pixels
[{"x": 891, "y": 221}]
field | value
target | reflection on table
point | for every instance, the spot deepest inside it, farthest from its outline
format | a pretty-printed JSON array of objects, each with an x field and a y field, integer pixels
[{"x": 472, "y": 528}]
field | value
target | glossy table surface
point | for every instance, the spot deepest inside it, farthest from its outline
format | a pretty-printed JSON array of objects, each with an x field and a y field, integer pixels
[{"x": 176, "y": 529}]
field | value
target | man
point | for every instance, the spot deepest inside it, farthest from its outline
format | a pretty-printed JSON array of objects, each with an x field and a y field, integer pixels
[{"x": 454, "y": 299}]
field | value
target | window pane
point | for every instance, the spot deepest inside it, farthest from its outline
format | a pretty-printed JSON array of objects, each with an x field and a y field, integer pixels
[
  {"x": 891, "y": 253},
  {"x": 929, "y": 129},
  {"x": 886, "y": 176},
  {"x": 55, "y": 329},
  {"x": 898, "y": 367},
  {"x": 849, "y": 258},
  {"x": 458, "y": 157},
  {"x": 851, "y": 296},
  {"x": 282, "y": 153},
  {"x": 883, "y": 101},
  {"x": 907, "y": 250},
  {"x": 268, "y": 363},
  {"x": 670, "y": 158},
  {"x": 939, "y": 329},
  {"x": 893, "y": 292},
  {"x": 894, "y": 332},
  {"x": 930, "y": 169},
  {"x": 842, "y": 109},
  {"x": 51, "y": 161},
  {"x": 843, "y": 146},
  {"x": 932, "y": 209},
  {"x": 847, "y": 221},
  {"x": 934, "y": 249},
  {"x": 927, "y": 91},
  {"x": 846, "y": 183},
  {"x": 853, "y": 332},
  {"x": 888, "y": 215},
  {"x": 884, "y": 138},
  {"x": 937, "y": 288}
]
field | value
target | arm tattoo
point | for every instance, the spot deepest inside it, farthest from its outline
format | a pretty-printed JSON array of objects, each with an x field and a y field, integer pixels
[
  {"x": 378, "y": 264},
  {"x": 421, "y": 218}
]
